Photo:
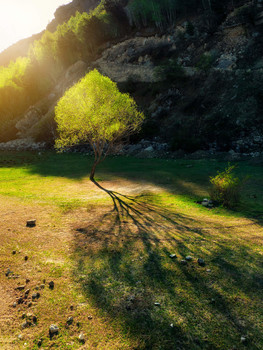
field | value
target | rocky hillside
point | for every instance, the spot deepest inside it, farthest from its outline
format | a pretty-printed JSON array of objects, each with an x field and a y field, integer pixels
[{"x": 199, "y": 82}]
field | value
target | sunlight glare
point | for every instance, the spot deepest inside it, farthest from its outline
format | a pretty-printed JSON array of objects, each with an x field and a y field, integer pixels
[{"x": 22, "y": 18}]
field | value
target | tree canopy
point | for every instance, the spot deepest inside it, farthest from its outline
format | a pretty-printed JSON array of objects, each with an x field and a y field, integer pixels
[{"x": 96, "y": 112}]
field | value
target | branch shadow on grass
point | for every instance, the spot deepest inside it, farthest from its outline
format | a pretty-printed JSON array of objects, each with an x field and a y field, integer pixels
[{"x": 158, "y": 302}]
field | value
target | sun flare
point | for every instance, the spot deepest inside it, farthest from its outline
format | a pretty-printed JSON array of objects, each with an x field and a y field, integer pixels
[{"x": 21, "y": 19}]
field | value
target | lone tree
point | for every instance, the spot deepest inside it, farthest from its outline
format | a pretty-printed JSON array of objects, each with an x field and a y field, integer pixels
[{"x": 96, "y": 112}]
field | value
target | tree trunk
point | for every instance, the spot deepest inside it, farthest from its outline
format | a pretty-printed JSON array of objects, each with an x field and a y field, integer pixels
[{"x": 92, "y": 173}]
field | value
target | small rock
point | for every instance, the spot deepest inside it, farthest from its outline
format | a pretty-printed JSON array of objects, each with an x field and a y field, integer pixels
[
  {"x": 82, "y": 337},
  {"x": 20, "y": 336},
  {"x": 173, "y": 256},
  {"x": 188, "y": 258},
  {"x": 90, "y": 317},
  {"x": 51, "y": 285},
  {"x": 53, "y": 329},
  {"x": 31, "y": 223},
  {"x": 37, "y": 288},
  {"x": 183, "y": 262},
  {"x": 14, "y": 305},
  {"x": 14, "y": 252},
  {"x": 42, "y": 286},
  {"x": 208, "y": 270},
  {"x": 24, "y": 325},
  {"x": 70, "y": 320},
  {"x": 27, "y": 291},
  {"x": 157, "y": 304},
  {"x": 35, "y": 296},
  {"x": 20, "y": 300},
  {"x": 172, "y": 325},
  {"x": 201, "y": 262},
  {"x": 20, "y": 288},
  {"x": 243, "y": 339},
  {"x": 26, "y": 258}
]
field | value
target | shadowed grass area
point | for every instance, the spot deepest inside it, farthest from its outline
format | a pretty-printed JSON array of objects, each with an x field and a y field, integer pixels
[
  {"x": 113, "y": 260},
  {"x": 126, "y": 268}
]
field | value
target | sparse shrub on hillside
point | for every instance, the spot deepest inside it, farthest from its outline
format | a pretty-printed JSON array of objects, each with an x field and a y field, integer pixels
[
  {"x": 206, "y": 61},
  {"x": 226, "y": 187},
  {"x": 169, "y": 70}
]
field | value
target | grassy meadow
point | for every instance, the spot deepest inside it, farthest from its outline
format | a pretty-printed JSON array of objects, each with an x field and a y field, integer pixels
[{"x": 107, "y": 248}]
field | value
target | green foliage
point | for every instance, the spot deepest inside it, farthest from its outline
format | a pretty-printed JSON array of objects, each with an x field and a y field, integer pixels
[
  {"x": 169, "y": 70},
  {"x": 94, "y": 111},
  {"x": 147, "y": 12},
  {"x": 206, "y": 61},
  {"x": 28, "y": 79},
  {"x": 226, "y": 187}
]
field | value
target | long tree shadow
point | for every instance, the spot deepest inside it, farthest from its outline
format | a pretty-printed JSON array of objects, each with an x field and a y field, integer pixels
[{"x": 123, "y": 258}]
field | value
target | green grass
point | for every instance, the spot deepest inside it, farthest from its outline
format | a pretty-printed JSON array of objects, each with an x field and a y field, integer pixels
[{"x": 119, "y": 260}]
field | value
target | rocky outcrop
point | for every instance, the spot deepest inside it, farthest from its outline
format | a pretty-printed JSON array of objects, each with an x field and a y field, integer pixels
[{"x": 133, "y": 59}]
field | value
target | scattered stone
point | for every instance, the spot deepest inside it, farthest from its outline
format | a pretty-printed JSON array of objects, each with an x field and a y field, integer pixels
[
  {"x": 90, "y": 317},
  {"x": 35, "y": 296},
  {"x": 25, "y": 325},
  {"x": 20, "y": 288},
  {"x": 27, "y": 291},
  {"x": 51, "y": 285},
  {"x": 173, "y": 256},
  {"x": 20, "y": 336},
  {"x": 14, "y": 252},
  {"x": 183, "y": 262},
  {"x": 201, "y": 262},
  {"x": 157, "y": 304},
  {"x": 26, "y": 258},
  {"x": 53, "y": 329},
  {"x": 70, "y": 320},
  {"x": 243, "y": 339},
  {"x": 208, "y": 270},
  {"x": 20, "y": 300},
  {"x": 37, "y": 288},
  {"x": 42, "y": 286},
  {"x": 188, "y": 258},
  {"x": 31, "y": 223},
  {"x": 172, "y": 325},
  {"x": 14, "y": 305},
  {"x": 82, "y": 337}
]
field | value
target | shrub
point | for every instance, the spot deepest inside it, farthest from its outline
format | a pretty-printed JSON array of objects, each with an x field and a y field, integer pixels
[
  {"x": 206, "y": 61},
  {"x": 169, "y": 70},
  {"x": 226, "y": 187}
]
